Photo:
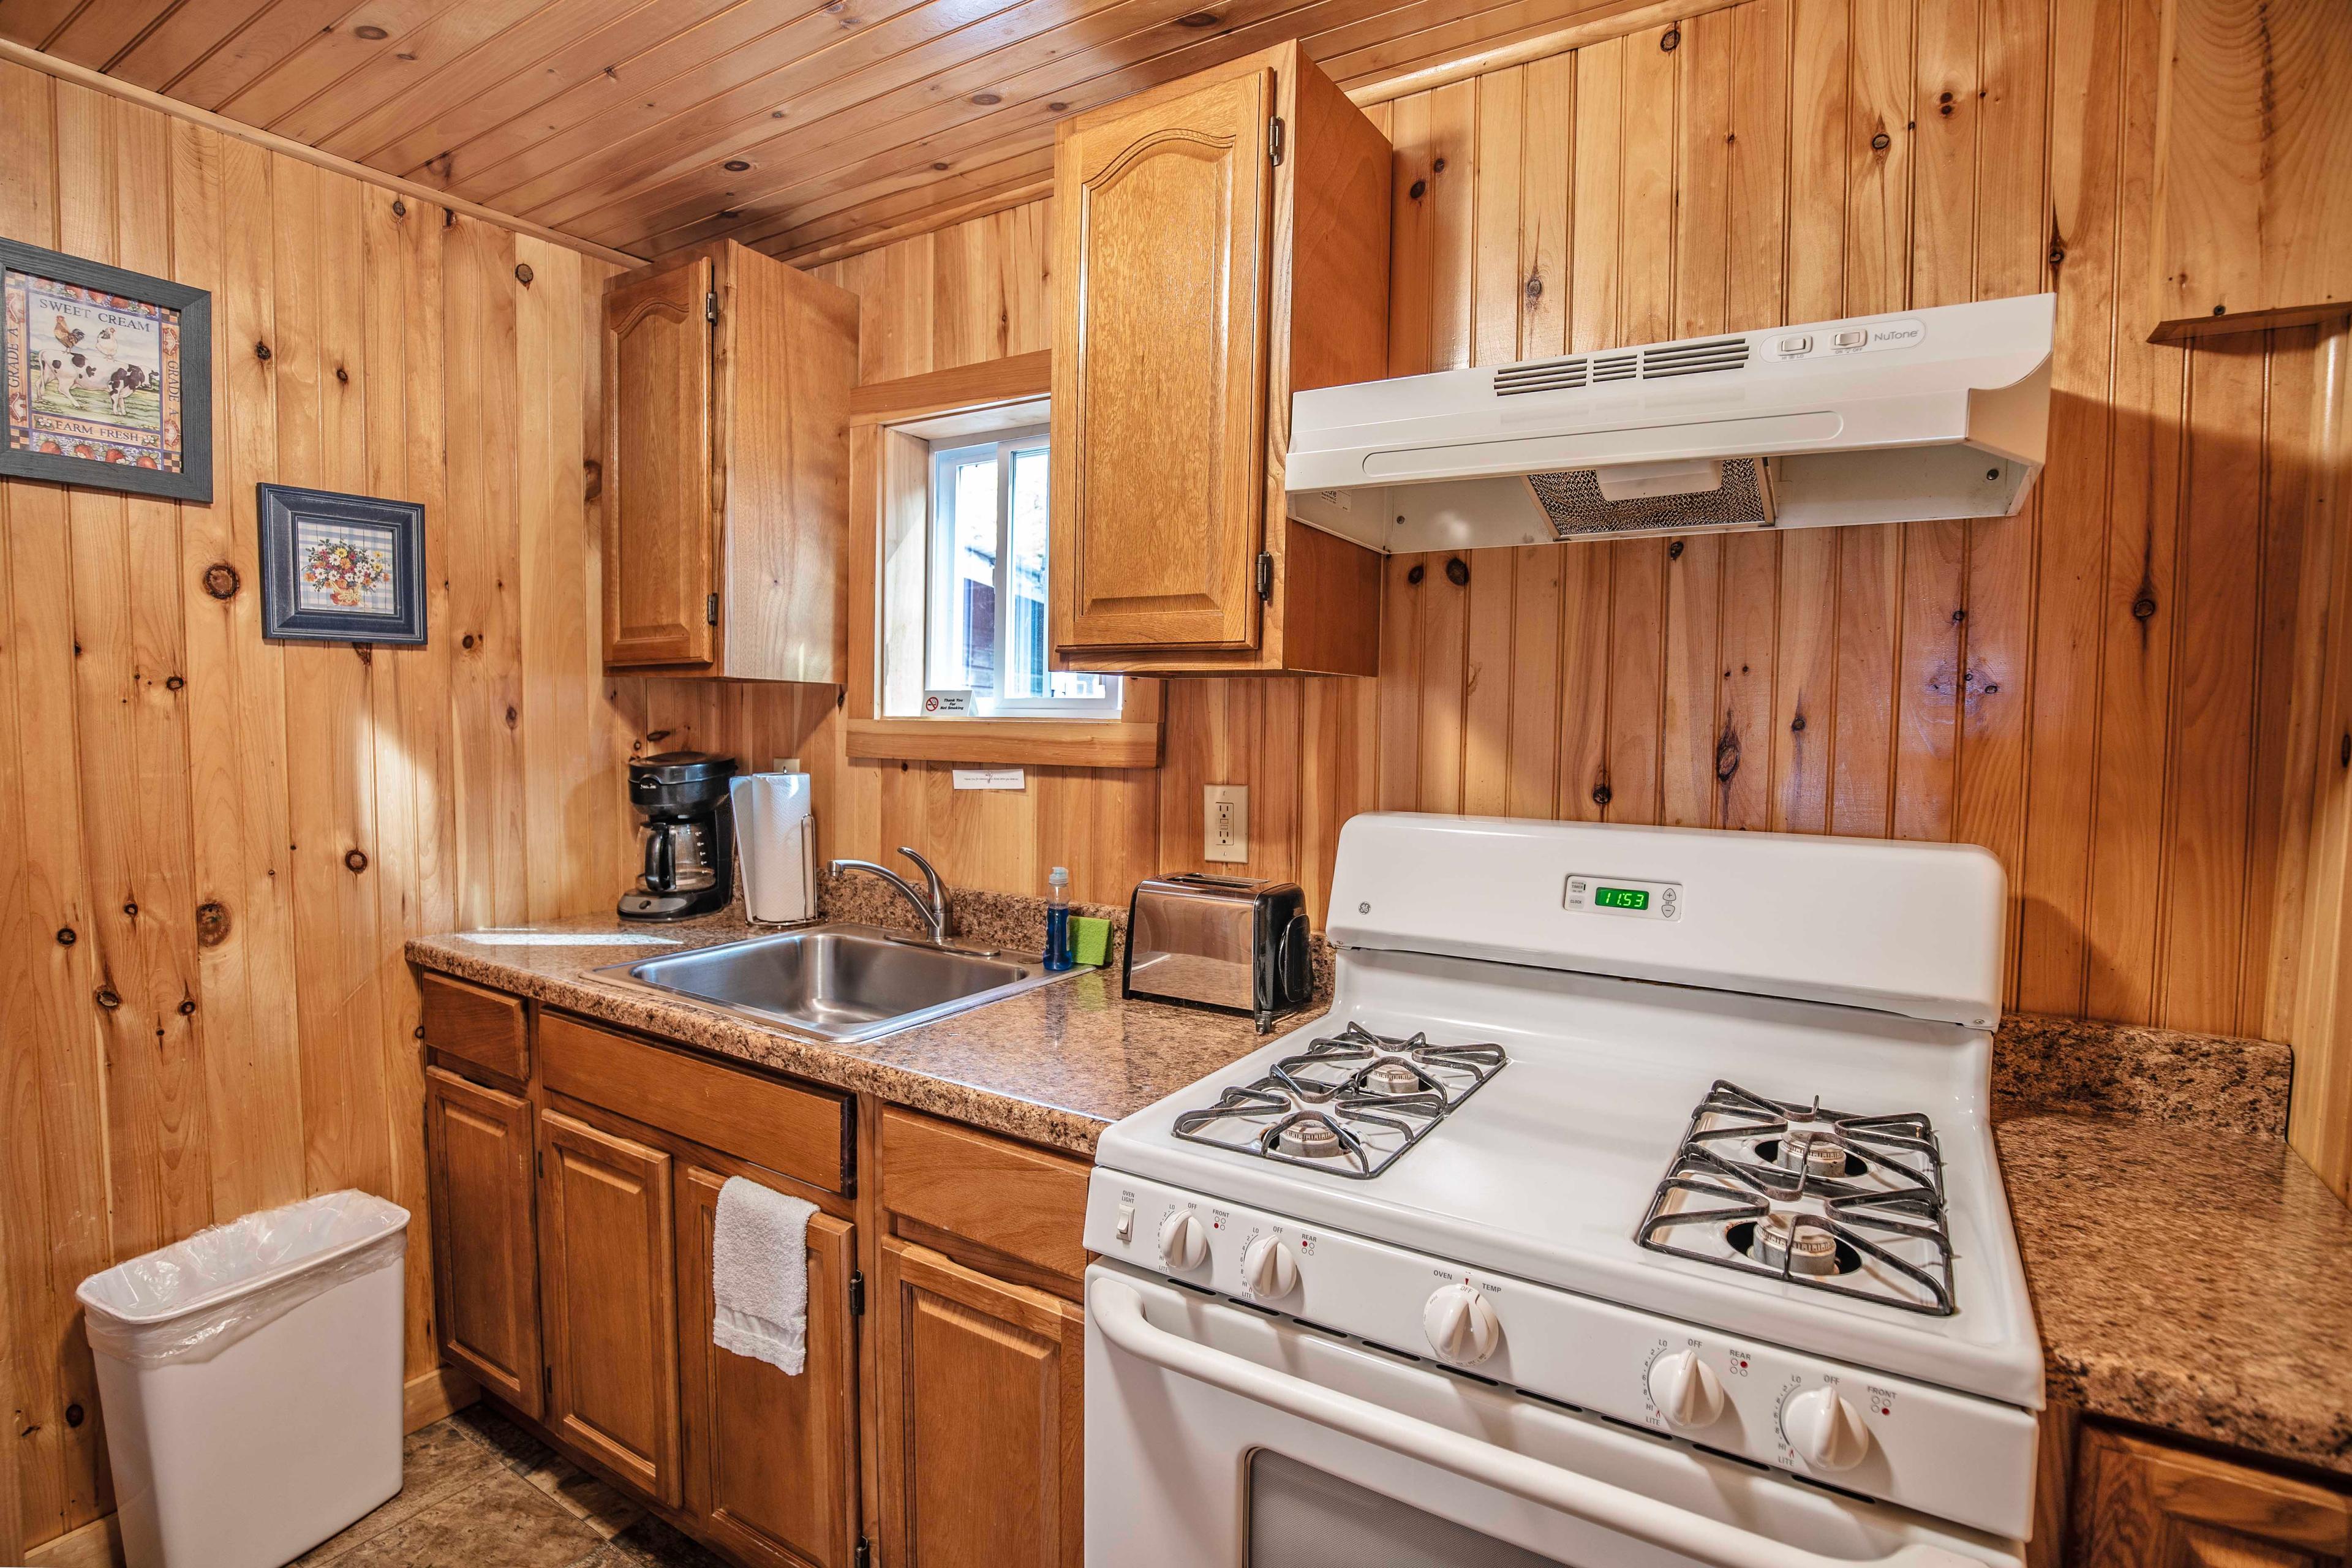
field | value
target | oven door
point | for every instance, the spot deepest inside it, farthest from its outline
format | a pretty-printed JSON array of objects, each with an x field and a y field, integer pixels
[{"x": 1218, "y": 1438}]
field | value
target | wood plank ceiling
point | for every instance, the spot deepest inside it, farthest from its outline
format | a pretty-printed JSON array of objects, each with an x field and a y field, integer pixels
[{"x": 797, "y": 126}]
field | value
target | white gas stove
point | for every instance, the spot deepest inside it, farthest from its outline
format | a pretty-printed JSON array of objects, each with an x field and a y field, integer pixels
[{"x": 1634, "y": 1202}]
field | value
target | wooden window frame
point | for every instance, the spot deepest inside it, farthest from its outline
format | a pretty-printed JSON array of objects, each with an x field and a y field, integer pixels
[{"x": 892, "y": 423}]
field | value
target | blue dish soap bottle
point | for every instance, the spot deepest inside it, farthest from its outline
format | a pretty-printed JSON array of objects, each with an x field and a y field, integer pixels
[{"x": 1057, "y": 918}]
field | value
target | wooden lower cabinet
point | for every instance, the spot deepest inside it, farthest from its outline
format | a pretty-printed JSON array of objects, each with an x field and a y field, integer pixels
[
  {"x": 2142, "y": 1504},
  {"x": 485, "y": 1286},
  {"x": 607, "y": 1252},
  {"x": 981, "y": 1418},
  {"x": 771, "y": 1460}
]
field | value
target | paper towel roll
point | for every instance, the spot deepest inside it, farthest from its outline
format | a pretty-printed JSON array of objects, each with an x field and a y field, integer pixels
[{"x": 775, "y": 844}]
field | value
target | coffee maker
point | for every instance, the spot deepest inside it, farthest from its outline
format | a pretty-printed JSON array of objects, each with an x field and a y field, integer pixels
[{"x": 687, "y": 835}]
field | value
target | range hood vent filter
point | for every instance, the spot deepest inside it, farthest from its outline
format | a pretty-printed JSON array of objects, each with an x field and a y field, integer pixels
[
  {"x": 1573, "y": 501},
  {"x": 1646, "y": 364}
]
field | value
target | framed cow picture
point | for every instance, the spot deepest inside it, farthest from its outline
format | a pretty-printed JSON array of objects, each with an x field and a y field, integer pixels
[{"x": 108, "y": 376}]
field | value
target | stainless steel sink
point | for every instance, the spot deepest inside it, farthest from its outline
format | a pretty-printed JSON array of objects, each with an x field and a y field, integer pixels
[{"x": 840, "y": 983}]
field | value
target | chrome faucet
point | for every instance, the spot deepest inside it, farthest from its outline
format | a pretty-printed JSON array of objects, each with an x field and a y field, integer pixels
[{"x": 934, "y": 909}]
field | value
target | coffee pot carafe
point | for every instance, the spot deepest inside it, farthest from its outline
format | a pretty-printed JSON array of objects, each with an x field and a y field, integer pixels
[{"x": 685, "y": 836}]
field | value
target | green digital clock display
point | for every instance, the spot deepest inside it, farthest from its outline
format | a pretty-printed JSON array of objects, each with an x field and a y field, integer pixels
[{"x": 1622, "y": 898}]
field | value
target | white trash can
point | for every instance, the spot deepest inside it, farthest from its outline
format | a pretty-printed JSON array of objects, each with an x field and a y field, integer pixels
[{"x": 250, "y": 1381}]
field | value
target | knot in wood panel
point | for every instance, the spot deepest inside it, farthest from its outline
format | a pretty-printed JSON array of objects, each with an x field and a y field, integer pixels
[
  {"x": 523, "y": 274},
  {"x": 1670, "y": 41},
  {"x": 212, "y": 924},
  {"x": 1457, "y": 572},
  {"x": 221, "y": 580},
  {"x": 355, "y": 860},
  {"x": 107, "y": 997}
]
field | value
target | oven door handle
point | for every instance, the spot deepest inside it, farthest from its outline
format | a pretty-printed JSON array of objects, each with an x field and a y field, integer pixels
[{"x": 1116, "y": 1308}]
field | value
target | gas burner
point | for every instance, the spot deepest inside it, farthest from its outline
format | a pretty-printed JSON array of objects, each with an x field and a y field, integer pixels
[
  {"x": 1309, "y": 1136},
  {"x": 1794, "y": 1239},
  {"x": 1820, "y": 1198},
  {"x": 1351, "y": 1103}
]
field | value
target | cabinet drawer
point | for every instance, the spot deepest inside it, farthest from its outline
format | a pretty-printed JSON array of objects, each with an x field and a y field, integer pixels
[
  {"x": 801, "y": 1133},
  {"x": 484, "y": 1028},
  {"x": 1020, "y": 1201}
]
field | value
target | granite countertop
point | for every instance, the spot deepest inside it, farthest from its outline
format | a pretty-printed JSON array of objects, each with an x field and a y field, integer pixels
[
  {"x": 1054, "y": 1064},
  {"x": 2186, "y": 1276},
  {"x": 2189, "y": 1270}
]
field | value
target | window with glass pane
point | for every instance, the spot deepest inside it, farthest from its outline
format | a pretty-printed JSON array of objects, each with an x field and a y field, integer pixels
[{"x": 985, "y": 584}]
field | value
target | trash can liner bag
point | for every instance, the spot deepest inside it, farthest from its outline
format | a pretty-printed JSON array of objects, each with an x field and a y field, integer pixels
[{"x": 194, "y": 1299}]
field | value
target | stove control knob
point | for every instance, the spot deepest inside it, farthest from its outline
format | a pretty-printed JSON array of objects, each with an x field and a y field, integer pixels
[
  {"x": 1825, "y": 1430},
  {"x": 1183, "y": 1244},
  {"x": 1462, "y": 1327},
  {"x": 1686, "y": 1390},
  {"x": 1268, "y": 1271}
]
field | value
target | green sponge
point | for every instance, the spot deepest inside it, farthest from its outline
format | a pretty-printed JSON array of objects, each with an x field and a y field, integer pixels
[{"x": 1089, "y": 940}]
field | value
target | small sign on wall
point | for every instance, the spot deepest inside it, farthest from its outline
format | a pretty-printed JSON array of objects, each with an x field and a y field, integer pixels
[
  {"x": 991, "y": 778},
  {"x": 939, "y": 703}
]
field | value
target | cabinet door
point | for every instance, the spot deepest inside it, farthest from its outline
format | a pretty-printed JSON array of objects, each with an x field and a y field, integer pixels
[
  {"x": 771, "y": 1460},
  {"x": 485, "y": 1285},
  {"x": 606, "y": 1249},
  {"x": 981, "y": 1418},
  {"x": 2143, "y": 1505},
  {"x": 1160, "y": 393},
  {"x": 658, "y": 519}
]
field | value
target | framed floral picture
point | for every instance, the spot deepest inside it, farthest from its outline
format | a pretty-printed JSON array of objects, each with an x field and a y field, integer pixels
[
  {"x": 108, "y": 375},
  {"x": 338, "y": 568}
]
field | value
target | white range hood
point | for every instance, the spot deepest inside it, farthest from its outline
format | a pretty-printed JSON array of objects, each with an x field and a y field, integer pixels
[{"x": 1940, "y": 413}]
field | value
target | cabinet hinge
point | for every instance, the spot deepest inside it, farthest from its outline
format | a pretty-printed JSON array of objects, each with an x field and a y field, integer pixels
[
  {"x": 710, "y": 307},
  {"x": 1274, "y": 138},
  {"x": 863, "y": 1556},
  {"x": 857, "y": 1294},
  {"x": 1265, "y": 575},
  {"x": 710, "y": 610}
]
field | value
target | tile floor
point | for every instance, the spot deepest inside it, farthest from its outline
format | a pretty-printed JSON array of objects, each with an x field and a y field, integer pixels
[{"x": 480, "y": 1493}]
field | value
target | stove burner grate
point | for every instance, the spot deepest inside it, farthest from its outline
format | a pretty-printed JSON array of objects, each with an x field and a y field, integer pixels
[
  {"x": 1351, "y": 1103},
  {"x": 1851, "y": 1204}
]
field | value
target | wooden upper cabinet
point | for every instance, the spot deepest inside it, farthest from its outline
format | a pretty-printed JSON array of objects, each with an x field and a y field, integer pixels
[
  {"x": 726, "y": 477},
  {"x": 485, "y": 1290},
  {"x": 607, "y": 1274},
  {"x": 2140, "y": 1504},
  {"x": 1223, "y": 242},
  {"x": 1166, "y": 405},
  {"x": 657, "y": 515},
  {"x": 2252, "y": 203}
]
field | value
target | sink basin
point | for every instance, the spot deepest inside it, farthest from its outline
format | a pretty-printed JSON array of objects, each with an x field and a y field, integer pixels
[{"x": 840, "y": 983}]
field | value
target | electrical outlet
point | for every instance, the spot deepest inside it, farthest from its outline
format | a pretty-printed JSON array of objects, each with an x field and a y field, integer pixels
[{"x": 1225, "y": 817}]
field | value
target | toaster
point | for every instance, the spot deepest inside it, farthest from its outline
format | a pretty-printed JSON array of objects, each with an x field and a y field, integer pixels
[{"x": 1227, "y": 942}]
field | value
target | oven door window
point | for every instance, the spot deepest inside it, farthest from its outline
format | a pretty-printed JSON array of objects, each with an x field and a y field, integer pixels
[{"x": 1300, "y": 1517}]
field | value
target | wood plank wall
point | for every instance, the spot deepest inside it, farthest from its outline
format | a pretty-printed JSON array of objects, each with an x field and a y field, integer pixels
[
  {"x": 211, "y": 846},
  {"x": 2098, "y": 689}
]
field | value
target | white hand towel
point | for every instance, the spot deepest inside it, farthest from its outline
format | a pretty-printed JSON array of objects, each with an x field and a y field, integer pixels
[{"x": 759, "y": 1275}]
